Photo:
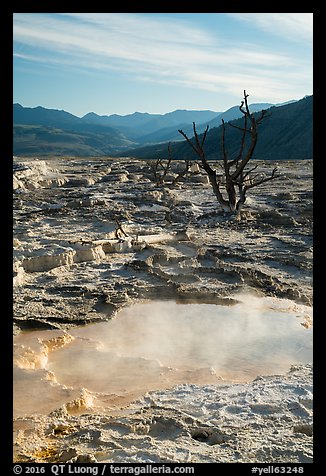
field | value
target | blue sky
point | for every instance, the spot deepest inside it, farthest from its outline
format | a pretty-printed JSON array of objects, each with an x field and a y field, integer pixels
[{"x": 119, "y": 63}]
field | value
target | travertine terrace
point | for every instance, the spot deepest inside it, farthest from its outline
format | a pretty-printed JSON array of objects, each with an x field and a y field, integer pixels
[{"x": 93, "y": 236}]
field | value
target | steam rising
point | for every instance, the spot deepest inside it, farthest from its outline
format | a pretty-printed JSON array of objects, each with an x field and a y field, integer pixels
[
  {"x": 158, "y": 344},
  {"x": 253, "y": 332}
]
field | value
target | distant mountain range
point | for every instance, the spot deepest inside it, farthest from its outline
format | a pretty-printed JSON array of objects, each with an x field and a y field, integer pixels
[
  {"x": 171, "y": 133},
  {"x": 41, "y": 131},
  {"x": 141, "y": 124},
  {"x": 286, "y": 134}
]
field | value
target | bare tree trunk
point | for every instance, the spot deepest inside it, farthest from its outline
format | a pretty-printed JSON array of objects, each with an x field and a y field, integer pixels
[
  {"x": 235, "y": 174},
  {"x": 212, "y": 176}
]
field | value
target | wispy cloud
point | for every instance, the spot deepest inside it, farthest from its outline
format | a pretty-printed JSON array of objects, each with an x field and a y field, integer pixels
[
  {"x": 162, "y": 50},
  {"x": 291, "y": 26}
]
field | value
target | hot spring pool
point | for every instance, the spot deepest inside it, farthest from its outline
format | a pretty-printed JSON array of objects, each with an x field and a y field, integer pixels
[{"x": 158, "y": 344}]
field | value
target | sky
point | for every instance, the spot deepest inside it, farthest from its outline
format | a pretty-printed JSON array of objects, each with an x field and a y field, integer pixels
[{"x": 119, "y": 63}]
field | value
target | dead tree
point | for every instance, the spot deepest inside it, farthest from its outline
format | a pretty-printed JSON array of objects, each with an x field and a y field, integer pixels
[
  {"x": 236, "y": 177},
  {"x": 162, "y": 167}
]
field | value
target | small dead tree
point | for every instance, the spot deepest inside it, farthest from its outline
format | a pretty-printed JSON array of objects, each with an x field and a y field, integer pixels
[
  {"x": 236, "y": 177},
  {"x": 161, "y": 168}
]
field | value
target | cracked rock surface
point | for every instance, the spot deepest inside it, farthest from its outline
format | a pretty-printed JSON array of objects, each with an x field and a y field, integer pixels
[{"x": 93, "y": 236}]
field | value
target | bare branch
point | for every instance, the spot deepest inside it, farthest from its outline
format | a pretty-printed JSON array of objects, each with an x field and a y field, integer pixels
[
  {"x": 243, "y": 140},
  {"x": 188, "y": 140},
  {"x": 204, "y": 136},
  {"x": 160, "y": 163},
  {"x": 240, "y": 128},
  {"x": 199, "y": 147},
  {"x": 208, "y": 169},
  {"x": 245, "y": 97},
  {"x": 218, "y": 164},
  {"x": 182, "y": 173},
  {"x": 241, "y": 107},
  {"x": 263, "y": 180},
  {"x": 168, "y": 164},
  {"x": 249, "y": 171},
  {"x": 262, "y": 116},
  {"x": 248, "y": 155},
  {"x": 225, "y": 158},
  {"x": 160, "y": 169}
]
